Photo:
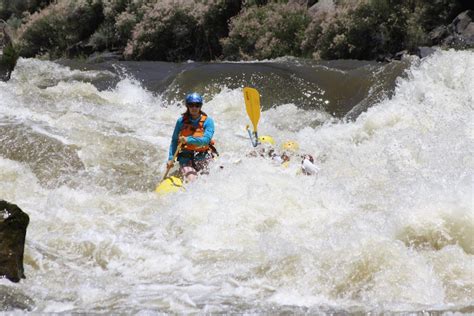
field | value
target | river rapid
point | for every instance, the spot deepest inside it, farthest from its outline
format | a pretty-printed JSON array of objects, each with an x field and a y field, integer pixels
[{"x": 386, "y": 225}]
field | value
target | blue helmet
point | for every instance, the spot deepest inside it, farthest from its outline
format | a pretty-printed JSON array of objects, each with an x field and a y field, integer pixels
[{"x": 193, "y": 98}]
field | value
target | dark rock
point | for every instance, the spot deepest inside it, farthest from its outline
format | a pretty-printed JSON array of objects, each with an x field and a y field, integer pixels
[
  {"x": 80, "y": 49},
  {"x": 384, "y": 58},
  {"x": 104, "y": 57},
  {"x": 438, "y": 34},
  {"x": 463, "y": 22},
  {"x": 400, "y": 55},
  {"x": 13, "y": 223},
  {"x": 8, "y": 53},
  {"x": 4, "y": 72},
  {"x": 424, "y": 51},
  {"x": 460, "y": 33}
]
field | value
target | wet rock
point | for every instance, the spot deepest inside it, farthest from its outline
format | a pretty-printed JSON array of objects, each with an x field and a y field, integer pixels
[
  {"x": 462, "y": 31},
  {"x": 53, "y": 162},
  {"x": 386, "y": 58},
  {"x": 80, "y": 49},
  {"x": 13, "y": 299},
  {"x": 459, "y": 34},
  {"x": 400, "y": 55},
  {"x": 438, "y": 34},
  {"x": 463, "y": 23},
  {"x": 7, "y": 53},
  {"x": 100, "y": 57},
  {"x": 424, "y": 51},
  {"x": 4, "y": 73},
  {"x": 13, "y": 223}
]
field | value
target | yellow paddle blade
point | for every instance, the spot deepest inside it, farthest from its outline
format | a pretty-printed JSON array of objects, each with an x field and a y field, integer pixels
[
  {"x": 169, "y": 185},
  {"x": 252, "y": 105}
]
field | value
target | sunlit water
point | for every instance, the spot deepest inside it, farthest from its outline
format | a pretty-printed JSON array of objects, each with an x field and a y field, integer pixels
[{"x": 386, "y": 225}]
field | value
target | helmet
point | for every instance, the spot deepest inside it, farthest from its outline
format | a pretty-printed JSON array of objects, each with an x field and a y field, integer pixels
[
  {"x": 193, "y": 98},
  {"x": 266, "y": 140},
  {"x": 290, "y": 146}
]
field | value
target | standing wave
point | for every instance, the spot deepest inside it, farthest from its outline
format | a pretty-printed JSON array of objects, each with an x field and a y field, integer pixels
[{"x": 386, "y": 224}]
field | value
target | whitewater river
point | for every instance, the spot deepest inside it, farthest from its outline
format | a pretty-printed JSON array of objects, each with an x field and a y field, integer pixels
[{"x": 386, "y": 225}]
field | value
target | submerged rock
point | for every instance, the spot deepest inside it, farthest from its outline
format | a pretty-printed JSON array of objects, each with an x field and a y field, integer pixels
[
  {"x": 13, "y": 299},
  {"x": 13, "y": 223},
  {"x": 53, "y": 162}
]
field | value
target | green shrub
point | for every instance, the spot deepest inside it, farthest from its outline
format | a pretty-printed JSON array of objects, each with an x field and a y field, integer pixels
[
  {"x": 42, "y": 35},
  {"x": 124, "y": 25},
  {"x": 167, "y": 32},
  {"x": 249, "y": 3},
  {"x": 59, "y": 26},
  {"x": 215, "y": 27},
  {"x": 16, "y": 8},
  {"x": 416, "y": 34},
  {"x": 178, "y": 30},
  {"x": 115, "y": 30},
  {"x": 9, "y": 56},
  {"x": 267, "y": 32},
  {"x": 105, "y": 38},
  {"x": 373, "y": 28},
  {"x": 438, "y": 12}
]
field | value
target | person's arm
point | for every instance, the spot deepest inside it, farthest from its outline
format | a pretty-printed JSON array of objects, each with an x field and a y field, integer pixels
[
  {"x": 174, "y": 138},
  {"x": 206, "y": 138}
]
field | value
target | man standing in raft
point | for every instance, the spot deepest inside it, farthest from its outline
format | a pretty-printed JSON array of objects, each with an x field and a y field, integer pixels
[{"x": 193, "y": 131}]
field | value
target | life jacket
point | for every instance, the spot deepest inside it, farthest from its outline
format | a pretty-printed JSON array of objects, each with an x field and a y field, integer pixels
[{"x": 188, "y": 129}]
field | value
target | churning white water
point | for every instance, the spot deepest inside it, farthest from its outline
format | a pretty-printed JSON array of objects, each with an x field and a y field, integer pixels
[{"x": 387, "y": 224}]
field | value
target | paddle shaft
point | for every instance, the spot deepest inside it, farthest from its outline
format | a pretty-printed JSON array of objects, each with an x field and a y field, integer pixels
[
  {"x": 253, "y": 137},
  {"x": 168, "y": 168}
]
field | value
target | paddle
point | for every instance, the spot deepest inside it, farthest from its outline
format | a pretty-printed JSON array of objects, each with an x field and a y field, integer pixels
[
  {"x": 170, "y": 184},
  {"x": 174, "y": 159},
  {"x": 252, "y": 105}
]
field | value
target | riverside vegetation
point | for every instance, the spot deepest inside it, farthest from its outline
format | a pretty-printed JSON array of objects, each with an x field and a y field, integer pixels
[{"x": 204, "y": 30}]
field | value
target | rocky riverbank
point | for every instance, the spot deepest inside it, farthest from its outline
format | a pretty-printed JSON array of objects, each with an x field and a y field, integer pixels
[{"x": 237, "y": 30}]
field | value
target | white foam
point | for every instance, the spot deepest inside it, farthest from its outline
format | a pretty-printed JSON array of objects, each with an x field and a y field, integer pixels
[{"x": 384, "y": 225}]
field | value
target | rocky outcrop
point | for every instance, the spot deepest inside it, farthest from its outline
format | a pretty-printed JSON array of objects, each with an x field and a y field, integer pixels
[
  {"x": 459, "y": 34},
  {"x": 13, "y": 223},
  {"x": 8, "y": 53},
  {"x": 4, "y": 37}
]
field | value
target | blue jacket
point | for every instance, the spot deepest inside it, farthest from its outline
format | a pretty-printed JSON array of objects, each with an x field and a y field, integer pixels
[{"x": 198, "y": 141}]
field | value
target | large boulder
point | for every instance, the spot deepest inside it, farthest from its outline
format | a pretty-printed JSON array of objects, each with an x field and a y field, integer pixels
[
  {"x": 8, "y": 53},
  {"x": 459, "y": 34},
  {"x": 4, "y": 73},
  {"x": 13, "y": 223}
]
